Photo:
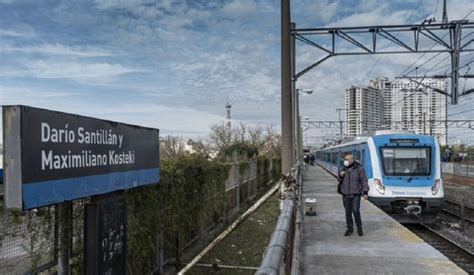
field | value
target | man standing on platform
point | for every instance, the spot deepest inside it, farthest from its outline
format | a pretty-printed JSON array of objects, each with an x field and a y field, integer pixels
[{"x": 352, "y": 185}]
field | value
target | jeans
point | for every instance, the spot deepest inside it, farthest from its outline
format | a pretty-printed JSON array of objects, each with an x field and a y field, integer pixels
[{"x": 352, "y": 205}]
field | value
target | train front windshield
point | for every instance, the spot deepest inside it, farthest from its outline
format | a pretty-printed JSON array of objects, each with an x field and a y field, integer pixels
[{"x": 406, "y": 161}]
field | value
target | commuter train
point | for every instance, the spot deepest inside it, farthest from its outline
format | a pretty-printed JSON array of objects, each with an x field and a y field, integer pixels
[{"x": 403, "y": 170}]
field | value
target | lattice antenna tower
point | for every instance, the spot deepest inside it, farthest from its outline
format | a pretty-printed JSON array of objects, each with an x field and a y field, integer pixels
[{"x": 228, "y": 119}]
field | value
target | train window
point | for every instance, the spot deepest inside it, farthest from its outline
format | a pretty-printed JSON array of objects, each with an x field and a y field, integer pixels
[
  {"x": 406, "y": 161},
  {"x": 362, "y": 157}
]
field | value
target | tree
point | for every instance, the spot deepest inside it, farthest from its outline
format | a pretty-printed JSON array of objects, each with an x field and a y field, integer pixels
[
  {"x": 244, "y": 141},
  {"x": 171, "y": 148}
]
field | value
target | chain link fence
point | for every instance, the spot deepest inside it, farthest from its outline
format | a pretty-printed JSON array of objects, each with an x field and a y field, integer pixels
[
  {"x": 27, "y": 241},
  {"x": 464, "y": 169}
]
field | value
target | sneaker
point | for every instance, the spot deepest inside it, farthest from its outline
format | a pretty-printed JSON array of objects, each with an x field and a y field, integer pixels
[
  {"x": 360, "y": 232},
  {"x": 348, "y": 233}
]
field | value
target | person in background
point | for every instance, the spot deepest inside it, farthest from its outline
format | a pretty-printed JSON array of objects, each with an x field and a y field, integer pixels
[
  {"x": 352, "y": 185},
  {"x": 311, "y": 159},
  {"x": 306, "y": 158}
]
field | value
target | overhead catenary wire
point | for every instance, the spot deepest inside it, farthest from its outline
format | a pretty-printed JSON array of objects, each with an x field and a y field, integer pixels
[
  {"x": 404, "y": 72},
  {"x": 427, "y": 71},
  {"x": 396, "y": 35}
]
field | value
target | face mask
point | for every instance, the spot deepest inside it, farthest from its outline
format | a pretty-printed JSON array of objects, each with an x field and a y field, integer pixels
[{"x": 346, "y": 163}]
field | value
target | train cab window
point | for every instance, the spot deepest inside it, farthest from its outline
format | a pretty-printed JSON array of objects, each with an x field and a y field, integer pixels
[{"x": 406, "y": 161}]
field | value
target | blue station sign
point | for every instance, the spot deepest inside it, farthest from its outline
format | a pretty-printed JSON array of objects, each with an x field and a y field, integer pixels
[{"x": 52, "y": 157}]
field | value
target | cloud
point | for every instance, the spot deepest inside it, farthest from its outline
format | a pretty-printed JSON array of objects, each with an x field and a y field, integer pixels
[
  {"x": 324, "y": 11},
  {"x": 80, "y": 71},
  {"x": 58, "y": 49},
  {"x": 16, "y": 33},
  {"x": 373, "y": 17},
  {"x": 47, "y": 97},
  {"x": 107, "y": 4},
  {"x": 239, "y": 9}
]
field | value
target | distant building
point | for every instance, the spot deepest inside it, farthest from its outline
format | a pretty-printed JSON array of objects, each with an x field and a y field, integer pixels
[
  {"x": 364, "y": 110},
  {"x": 399, "y": 104},
  {"x": 418, "y": 107},
  {"x": 384, "y": 85}
]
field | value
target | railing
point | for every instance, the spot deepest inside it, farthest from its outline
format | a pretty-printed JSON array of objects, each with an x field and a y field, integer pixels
[
  {"x": 465, "y": 169},
  {"x": 282, "y": 254}
]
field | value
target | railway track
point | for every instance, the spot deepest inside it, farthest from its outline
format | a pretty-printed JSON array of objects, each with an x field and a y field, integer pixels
[
  {"x": 457, "y": 214},
  {"x": 458, "y": 255},
  {"x": 451, "y": 213}
]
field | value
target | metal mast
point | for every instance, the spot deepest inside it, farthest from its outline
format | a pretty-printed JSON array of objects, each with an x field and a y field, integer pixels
[{"x": 228, "y": 120}]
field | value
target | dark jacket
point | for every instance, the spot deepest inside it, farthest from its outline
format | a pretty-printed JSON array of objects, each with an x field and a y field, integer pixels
[{"x": 354, "y": 182}]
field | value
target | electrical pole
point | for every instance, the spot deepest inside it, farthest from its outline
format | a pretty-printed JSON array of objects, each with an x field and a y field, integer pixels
[
  {"x": 294, "y": 96},
  {"x": 286, "y": 97},
  {"x": 446, "y": 119},
  {"x": 455, "y": 56},
  {"x": 340, "y": 121}
]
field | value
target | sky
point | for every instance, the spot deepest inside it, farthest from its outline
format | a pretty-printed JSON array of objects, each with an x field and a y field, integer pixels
[{"x": 172, "y": 64}]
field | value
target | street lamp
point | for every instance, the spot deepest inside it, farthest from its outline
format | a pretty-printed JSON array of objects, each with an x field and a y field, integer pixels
[{"x": 304, "y": 91}]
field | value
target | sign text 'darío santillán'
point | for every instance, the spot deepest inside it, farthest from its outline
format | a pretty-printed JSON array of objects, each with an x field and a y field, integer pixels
[{"x": 53, "y": 157}]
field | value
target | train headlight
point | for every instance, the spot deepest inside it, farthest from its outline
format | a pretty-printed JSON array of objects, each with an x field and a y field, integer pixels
[
  {"x": 379, "y": 186},
  {"x": 435, "y": 187}
]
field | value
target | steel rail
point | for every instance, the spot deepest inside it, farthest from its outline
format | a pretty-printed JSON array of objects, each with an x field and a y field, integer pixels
[{"x": 454, "y": 243}]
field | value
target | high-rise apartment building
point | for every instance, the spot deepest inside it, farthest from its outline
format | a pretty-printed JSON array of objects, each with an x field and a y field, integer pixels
[
  {"x": 399, "y": 104},
  {"x": 418, "y": 107},
  {"x": 384, "y": 85},
  {"x": 364, "y": 110}
]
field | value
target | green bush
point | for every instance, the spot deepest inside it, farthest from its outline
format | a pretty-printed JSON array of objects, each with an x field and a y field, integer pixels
[{"x": 190, "y": 197}]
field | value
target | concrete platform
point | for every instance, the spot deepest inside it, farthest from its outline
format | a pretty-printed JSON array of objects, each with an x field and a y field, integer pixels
[{"x": 387, "y": 247}]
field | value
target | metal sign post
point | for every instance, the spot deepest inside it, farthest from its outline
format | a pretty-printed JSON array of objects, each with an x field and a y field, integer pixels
[
  {"x": 105, "y": 235},
  {"x": 64, "y": 211}
]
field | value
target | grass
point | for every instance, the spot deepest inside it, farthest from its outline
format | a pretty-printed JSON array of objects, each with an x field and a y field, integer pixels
[{"x": 246, "y": 244}]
